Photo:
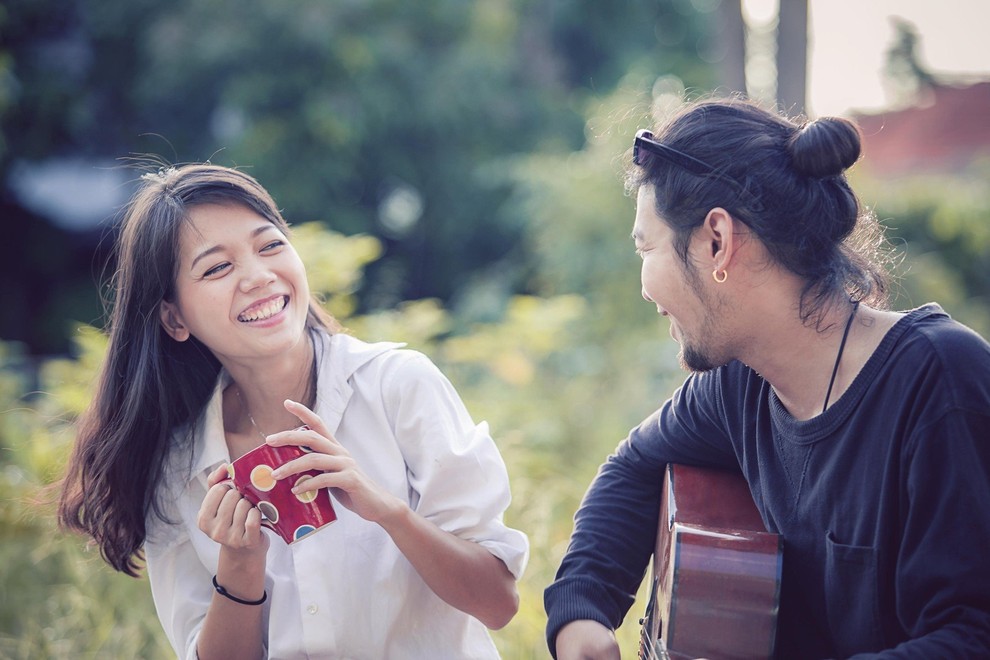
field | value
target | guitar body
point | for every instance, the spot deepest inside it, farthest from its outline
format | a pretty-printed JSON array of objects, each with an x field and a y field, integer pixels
[{"x": 716, "y": 571}]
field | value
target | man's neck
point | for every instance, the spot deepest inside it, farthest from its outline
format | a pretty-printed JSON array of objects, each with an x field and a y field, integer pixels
[{"x": 798, "y": 360}]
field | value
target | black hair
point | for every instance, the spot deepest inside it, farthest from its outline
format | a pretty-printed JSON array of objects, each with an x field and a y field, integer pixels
[
  {"x": 150, "y": 386},
  {"x": 786, "y": 181}
]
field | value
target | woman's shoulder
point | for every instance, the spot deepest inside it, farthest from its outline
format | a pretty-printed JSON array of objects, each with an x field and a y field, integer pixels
[{"x": 349, "y": 354}]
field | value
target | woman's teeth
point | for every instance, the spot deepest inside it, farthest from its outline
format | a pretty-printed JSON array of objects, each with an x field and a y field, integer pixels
[{"x": 263, "y": 311}]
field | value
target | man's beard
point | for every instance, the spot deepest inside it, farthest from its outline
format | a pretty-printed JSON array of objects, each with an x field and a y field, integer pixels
[{"x": 693, "y": 359}]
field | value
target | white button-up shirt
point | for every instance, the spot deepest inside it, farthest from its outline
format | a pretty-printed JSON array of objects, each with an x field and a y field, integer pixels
[{"x": 346, "y": 591}]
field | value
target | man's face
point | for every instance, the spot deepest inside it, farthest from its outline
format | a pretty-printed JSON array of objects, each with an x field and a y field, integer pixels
[{"x": 677, "y": 289}]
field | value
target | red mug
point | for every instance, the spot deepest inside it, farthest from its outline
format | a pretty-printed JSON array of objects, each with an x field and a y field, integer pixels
[{"x": 292, "y": 516}]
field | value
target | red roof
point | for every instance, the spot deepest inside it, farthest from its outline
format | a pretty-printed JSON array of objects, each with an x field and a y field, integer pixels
[{"x": 945, "y": 133}]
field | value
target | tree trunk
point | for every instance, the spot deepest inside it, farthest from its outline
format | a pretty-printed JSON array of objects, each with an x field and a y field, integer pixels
[
  {"x": 792, "y": 56},
  {"x": 732, "y": 32}
]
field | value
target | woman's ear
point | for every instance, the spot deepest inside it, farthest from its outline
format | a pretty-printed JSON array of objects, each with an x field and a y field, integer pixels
[{"x": 171, "y": 320}]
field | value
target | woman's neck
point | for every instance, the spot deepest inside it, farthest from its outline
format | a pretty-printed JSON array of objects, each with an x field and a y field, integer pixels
[{"x": 253, "y": 402}]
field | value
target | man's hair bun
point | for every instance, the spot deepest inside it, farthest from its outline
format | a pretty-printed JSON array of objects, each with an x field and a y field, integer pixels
[{"x": 825, "y": 147}]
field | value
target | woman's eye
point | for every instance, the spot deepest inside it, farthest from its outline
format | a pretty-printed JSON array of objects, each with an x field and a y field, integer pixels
[
  {"x": 219, "y": 268},
  {"x": 273, "y": 246}
]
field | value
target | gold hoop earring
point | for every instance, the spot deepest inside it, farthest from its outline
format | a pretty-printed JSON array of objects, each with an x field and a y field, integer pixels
[{"x": 725, "y": 276}]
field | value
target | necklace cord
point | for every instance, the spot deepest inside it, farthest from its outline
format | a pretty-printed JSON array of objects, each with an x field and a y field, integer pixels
[
  {"x": 838, "y": 357},
  {"x": 310, "y": 390},
  {"x": 257, "y": 428}
]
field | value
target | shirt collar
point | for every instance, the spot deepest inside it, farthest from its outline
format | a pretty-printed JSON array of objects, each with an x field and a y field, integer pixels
[
  {"x": 209, "y": 446},
  {"x": 338, "y": 358}
]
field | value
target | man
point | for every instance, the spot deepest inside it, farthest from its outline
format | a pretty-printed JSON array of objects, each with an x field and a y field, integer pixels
[{"x": 864, "y": 434}]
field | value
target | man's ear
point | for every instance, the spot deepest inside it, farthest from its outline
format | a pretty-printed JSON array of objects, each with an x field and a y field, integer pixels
[
  {"x": 719, "y": 228},
  {"x": 171, "y": 320}
]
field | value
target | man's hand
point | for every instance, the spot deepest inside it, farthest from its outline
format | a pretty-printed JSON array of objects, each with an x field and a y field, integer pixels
[{"x": 586, "y": 640}]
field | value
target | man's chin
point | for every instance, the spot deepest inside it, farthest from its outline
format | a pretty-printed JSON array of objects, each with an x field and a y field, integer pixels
[{"x": 695, "y": 361}]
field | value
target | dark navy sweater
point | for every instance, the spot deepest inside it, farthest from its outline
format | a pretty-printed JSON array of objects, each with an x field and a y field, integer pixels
[{"x": 882, "y": 502}]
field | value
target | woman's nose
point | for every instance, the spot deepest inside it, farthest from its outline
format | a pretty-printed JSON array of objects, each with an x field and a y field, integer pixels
[
  {"x": 257, "y": 275},
  {"x": 646, "y": 296}
]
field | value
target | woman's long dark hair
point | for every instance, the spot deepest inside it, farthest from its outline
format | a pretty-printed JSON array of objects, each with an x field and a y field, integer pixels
[
  {"x": 150, "y": 386},
  {"x": 786, "y": 181}
]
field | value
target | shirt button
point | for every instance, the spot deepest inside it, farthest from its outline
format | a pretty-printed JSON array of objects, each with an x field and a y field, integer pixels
[{"x": 313, "y": 608}]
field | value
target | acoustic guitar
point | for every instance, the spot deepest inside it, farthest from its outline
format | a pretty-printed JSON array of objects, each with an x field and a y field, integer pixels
[{"x": 716, "y": 572}]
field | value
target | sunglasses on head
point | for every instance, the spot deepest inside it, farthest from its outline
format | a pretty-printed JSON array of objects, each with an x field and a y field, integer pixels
[{"x": 645, "y": 143}]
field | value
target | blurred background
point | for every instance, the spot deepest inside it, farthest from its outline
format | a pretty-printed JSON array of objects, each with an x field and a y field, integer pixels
[{"x": 453, "y": 170}]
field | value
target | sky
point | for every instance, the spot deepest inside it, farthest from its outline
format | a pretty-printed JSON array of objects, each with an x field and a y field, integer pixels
[{"x": 848, "y": 40}]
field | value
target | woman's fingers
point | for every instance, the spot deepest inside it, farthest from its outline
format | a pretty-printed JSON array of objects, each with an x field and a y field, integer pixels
[
  {"x": 324, "y": 452},
  {"x": 209, "y": 510},
  {"x": 313, "y": 434},
  {"x": 338, "y": 470},
  {"x": 306, "y": 437},
  {"x": 217, "y": 476},
  {"x": 307, "y": 417},
  {"x": 252, "y": 522},
  {"x": 340, "y": 474},
  {"x": 312, "y": 461},
  {"x": 228, "y": 517},
  {"x": 240, "y": 518},
  {"x": 215, "y": 495}
]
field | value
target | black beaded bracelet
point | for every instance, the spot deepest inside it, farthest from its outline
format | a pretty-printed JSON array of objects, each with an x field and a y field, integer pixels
[{"x": 226, "y": 594}]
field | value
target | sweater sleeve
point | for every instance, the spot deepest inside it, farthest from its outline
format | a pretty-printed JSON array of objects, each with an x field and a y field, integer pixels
[{"x": 615, "y": 527}]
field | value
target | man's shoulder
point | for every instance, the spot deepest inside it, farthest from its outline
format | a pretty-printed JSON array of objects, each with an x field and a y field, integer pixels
[
  {"x": 932, "y": 330},
  {"x": 947, "y": 360}
]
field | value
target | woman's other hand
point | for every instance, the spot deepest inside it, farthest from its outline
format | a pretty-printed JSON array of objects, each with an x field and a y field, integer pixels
[{"x": 350, "y": 485}]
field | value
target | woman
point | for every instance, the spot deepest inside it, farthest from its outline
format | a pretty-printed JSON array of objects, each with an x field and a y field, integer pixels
[
  {"x": 862, "y": 432},
  {"x": 216, "y": 347}
]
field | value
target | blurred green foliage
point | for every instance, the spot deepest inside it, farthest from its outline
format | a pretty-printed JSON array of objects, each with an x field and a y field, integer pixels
[
  {"x": 59, "y": 599},
  {"x": 560, "y": 375},
  {"x": 381, "y": 117},
  {"x": 938, "y": 226}
]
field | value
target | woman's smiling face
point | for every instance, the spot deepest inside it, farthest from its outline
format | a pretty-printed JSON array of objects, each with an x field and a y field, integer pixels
[{"x": 240, "y": 287}]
